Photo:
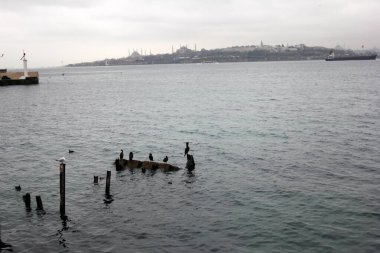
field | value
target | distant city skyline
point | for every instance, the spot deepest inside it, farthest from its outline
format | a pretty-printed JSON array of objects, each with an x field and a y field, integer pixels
[{"x": 55, "y": 33}]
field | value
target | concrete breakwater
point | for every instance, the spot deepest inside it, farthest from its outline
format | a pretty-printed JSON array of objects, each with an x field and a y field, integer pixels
[{"x": 18, "y": 78}]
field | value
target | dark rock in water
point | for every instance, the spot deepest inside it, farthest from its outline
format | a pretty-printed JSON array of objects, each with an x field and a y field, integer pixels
[
  {"x": 143, "y": 170},
  {"x": 71, "y": 151},
  {"x": 18, "y": 188},
  {"x": 170, "y": 183}
]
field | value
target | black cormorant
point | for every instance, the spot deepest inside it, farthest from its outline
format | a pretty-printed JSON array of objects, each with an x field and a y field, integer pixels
[
  {"x": 150, "y": 157},
  {"x": 130, "y": 156},
  {"x": 187, "y": 149},
  {"x": 165, "y": 159},
  {"x": 121, "y": 154}
]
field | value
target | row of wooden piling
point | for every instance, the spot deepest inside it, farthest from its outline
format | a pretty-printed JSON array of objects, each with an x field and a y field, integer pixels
[
  {"x": 27, "y": 201},
  {"x": 40, "y": 207},
  {"x": 108, "y": 182},
  {"x": 62, "y": 191},
  {"x": 62, "y": 186}
]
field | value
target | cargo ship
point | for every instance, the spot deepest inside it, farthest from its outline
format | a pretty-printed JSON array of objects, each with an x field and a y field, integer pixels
[{"x": 332, "y": 57}]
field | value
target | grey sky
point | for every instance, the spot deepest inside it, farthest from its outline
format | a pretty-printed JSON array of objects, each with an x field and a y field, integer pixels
[{"x": 72, "y": 31}]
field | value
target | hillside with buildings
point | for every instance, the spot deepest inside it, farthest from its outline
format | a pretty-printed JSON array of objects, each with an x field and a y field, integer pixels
[{"x": 250, "y": 53}]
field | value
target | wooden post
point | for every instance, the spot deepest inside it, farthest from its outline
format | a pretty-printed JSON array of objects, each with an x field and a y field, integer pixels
[
  {"x": 96, "y": 179},
  {"x": 39, "y": 203},
  {"x": 62, "y": 188},
  {"x": 108, "y": 182},
  {"x": 26, "y": 198},
  {"x": 1, "y": 242}
]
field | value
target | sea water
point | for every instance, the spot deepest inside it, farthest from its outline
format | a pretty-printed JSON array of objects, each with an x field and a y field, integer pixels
[{"x": 287, "y": 158}]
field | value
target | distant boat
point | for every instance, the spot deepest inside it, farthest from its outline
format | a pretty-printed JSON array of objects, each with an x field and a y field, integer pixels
[{"x": 332, "y": 57}]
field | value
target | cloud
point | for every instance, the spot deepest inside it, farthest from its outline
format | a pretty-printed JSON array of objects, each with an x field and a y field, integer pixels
[{"x": 22, "y": 6}]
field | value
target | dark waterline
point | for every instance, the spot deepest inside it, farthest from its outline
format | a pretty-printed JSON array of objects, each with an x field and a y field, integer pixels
[{"x": 286, "y": 158}]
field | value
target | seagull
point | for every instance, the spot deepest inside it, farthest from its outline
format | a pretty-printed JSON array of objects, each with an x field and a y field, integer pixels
[
  {"x": 130, "y": 156},
  {"x": 165, "y": 159},
  {"x": 121, "y": 154},
  {"x": 187, "y": 149},
  {"x": 61, "y": 160},
  {"x": 150, "y": 157}
]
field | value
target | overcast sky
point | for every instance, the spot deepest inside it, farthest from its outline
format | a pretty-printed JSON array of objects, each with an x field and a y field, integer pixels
[{"x": 70, "y": 31}]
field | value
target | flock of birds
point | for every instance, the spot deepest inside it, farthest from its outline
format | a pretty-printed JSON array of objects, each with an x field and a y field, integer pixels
[
  {"x": 190, "y": 165},
  {"x": 165, "y": 160}
]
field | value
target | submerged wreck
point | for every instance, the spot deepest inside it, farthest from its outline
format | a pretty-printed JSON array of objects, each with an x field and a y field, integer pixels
[{"x": 122, "y": 164}]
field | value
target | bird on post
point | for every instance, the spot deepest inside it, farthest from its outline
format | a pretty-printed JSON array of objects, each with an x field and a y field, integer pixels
[
  {"x": 61, "y": 160},
  {"x": 187, "y": 149},
  {"x": 165, "y": 159},
  {"x": 130, "y": 156},
  {"x": 121, "y": 154},
  {"x": 150, "y": 157}
]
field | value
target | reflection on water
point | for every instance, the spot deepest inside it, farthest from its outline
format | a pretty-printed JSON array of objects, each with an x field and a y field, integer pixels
[
  {"x": 4, "y": 246},
  {"x": 60, "y": 232}
]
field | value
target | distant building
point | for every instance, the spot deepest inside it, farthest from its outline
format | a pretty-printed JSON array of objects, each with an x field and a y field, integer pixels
[
  {"x": 184, "y": 52},
  {"x": 135, "y": 56}
]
